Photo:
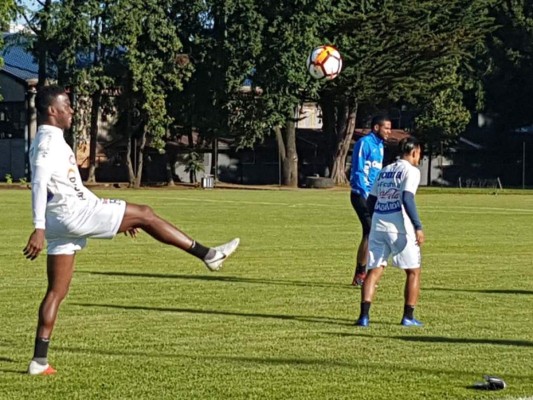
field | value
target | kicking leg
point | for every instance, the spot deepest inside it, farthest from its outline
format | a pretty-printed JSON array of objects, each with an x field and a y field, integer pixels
[{"x": 143, "y": 217}]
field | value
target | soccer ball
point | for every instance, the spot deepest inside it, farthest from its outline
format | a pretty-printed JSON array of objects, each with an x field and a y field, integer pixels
[{"x": 324, "y": 62}]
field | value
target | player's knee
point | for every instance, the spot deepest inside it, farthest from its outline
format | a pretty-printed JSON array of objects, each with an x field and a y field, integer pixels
[
  {"x": 57, "y": 294},
  {"x": 148, "y": 214}
]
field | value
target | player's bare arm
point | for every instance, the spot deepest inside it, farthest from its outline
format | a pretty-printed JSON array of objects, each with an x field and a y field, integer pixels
[
  {"x": 35, "y": 244},
  {"x": 420, "y": 237}
]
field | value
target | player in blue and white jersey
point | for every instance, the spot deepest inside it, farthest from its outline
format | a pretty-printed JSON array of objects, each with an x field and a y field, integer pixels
[
  {"x": 367, "y": 161},
  {"x": 66, "y": 214},
  {"x": 396, "y": 230}
]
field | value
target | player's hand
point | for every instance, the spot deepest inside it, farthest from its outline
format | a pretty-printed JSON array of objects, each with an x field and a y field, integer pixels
[
  {"x": 35, "y": 244},
  {"x": 420, "y": 237},
  {"x": 132, "y": 232}
]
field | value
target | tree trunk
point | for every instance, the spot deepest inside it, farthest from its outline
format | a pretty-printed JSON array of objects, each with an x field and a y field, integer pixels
[
  {"x": 95, "y": 109},
  {"x": 169, "y": 163},
  {"x": 129, "y": 163},
  {"x": 329, "y": 118},
  {"x": 288, "y": 154},
  {"x": 338, "y": 118},
  {"x": 140, "y": 161},
  {"x": 190, "y": 138},
  {"x": 130, "y": 110},
  {"x": 344, "y": 139},
  {"x": 43, "y": 44},
  {"x": 72, "y": 138},
  {"x": 430, "y": 157},
  {"x": 214, "y": 158}
]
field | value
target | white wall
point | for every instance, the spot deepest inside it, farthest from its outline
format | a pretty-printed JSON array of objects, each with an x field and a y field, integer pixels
[{"x": 437, "y": 163}]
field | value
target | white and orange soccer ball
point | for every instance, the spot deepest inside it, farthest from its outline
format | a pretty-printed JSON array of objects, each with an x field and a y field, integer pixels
[{"x": 324, "y": 62}]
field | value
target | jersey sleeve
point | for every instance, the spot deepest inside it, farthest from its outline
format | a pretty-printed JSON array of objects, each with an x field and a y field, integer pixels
[
  {"x": 43, "y": 168},
  {"x": 360, "y": 168},
  {"x": 412, "y": 180},
  {"x": 374, "y": 189},
  {"x": 408, "y": 200}
]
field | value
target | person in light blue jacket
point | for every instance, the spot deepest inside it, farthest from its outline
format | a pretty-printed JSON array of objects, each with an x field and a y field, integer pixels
[{"x": 367, "y": 161}]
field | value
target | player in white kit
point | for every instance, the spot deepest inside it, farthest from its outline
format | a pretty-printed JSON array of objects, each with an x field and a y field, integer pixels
[
  {"x": 396, "y": 230},
  {"x": 66, "y": 213}
]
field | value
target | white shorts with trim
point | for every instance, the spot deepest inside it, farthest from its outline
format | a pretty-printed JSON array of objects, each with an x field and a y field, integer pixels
[
  {"x": 101, "y": 220},
  {"x": 403, "y": 248}
]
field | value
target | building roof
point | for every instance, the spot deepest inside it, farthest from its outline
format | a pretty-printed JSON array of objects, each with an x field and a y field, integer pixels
[{"x": 18, "y": 61}]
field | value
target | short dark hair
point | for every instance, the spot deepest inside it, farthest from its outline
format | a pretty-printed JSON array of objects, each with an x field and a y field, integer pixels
[
  {"x": 408, "y": 144},
  {"x": 379, "y": 120},
  {"x": 46, "y": 96}
]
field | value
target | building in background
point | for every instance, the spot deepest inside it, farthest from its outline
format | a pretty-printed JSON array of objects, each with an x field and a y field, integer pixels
[{"x": 18, "y": 79}]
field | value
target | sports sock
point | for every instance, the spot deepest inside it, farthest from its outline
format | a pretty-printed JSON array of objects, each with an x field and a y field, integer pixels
[
  {"x": 360, "y": 269},
  {"x": 210, "y": 255},
  {"x": 40, "y": 352},
  {"x": 408, "y": 311},
  {"x": 198, "y": 250},
  {"x": 365, "y": 308}
]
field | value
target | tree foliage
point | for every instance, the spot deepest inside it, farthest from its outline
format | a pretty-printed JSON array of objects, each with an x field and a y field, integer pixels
[
  {"x": 222, "y": 39},
  {"x": 400, "y": 52},
  {"x": 131, "y": 45},
  {"x": 182, "y": 64},
  {"x": 290, "y": 31},
  {"x": 510, "y": 83},
  {"x": 7, "y": 13}
]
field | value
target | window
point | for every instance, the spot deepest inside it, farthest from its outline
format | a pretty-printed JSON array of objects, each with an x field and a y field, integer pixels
[{"x": 12, "y": 120}]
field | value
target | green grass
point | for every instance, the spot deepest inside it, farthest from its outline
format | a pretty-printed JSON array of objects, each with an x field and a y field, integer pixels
[{"x": 145, "y": 321}]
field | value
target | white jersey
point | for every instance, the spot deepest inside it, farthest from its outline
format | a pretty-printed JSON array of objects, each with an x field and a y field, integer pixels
[
  {"x": 389, "y": 213},
  {"x": 57, "y": 188}
]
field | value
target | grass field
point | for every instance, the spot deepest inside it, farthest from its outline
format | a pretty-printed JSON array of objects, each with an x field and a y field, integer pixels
[{"x": 145, "y": 321}]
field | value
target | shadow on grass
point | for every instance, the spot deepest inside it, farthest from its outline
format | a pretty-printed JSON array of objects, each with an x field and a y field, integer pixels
[
  {"x": 441, "y": 339},
  {"x": 213, "y": 278},
  {"x": 12, "y": 371},
  {"x": 240, "y": 359},
  {"x": 359, "y": 364},
  {"x": 299, "y": 318},
  {"x": 488, "y": 291}
]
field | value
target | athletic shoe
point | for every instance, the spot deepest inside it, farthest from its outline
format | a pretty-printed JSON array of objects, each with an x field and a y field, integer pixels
[
  {"x": 222, "y": 252},
  {"x": 363, "y": 321},
  {"x": 494, "y": 383},
  {"x": 38, "y": 369},
  {"x": 359, "y": 279},
  {"x": 411, "y": 322}
]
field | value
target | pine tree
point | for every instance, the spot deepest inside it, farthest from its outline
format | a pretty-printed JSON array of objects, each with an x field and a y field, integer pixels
[
  {"x": 290, "y": 31},
  {"x": 510, "y": 83},
  {"x": 8, "y": 11},
  {"x": 399, "y": 51}
]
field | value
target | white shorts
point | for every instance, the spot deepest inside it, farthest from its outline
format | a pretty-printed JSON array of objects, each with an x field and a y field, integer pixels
[
  {"x": 66, "y": 235},
  {"x": 403, "y": 248}
]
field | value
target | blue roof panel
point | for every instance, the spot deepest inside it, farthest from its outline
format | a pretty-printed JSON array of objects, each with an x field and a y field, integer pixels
[{"x": 18, "y": 61}]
